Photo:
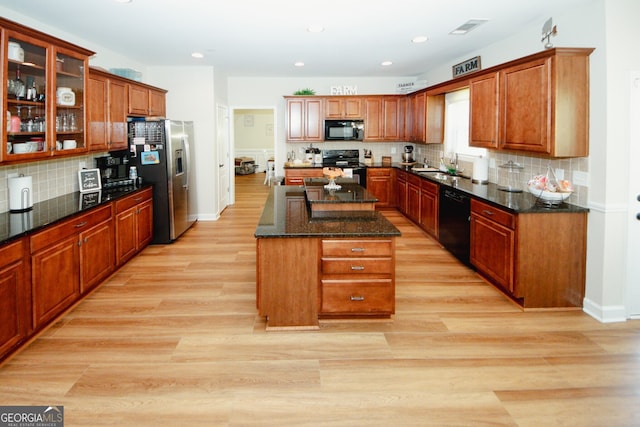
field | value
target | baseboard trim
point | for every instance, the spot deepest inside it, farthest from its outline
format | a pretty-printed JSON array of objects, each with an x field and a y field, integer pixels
[{"x": 607, "y": 314}]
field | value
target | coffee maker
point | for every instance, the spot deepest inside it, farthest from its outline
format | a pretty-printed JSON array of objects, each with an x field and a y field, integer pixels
[
  {"x": 407, "y": 156},
  {"x": 114, "y": 169}
]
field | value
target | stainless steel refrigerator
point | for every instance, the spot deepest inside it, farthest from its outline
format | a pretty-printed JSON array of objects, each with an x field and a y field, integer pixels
[{"x": 162, "y": 152}]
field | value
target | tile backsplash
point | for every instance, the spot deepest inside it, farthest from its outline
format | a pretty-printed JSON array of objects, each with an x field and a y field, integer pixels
[
  {"x": 532, "y": 165},
  {"x": 51, "y": 178}
]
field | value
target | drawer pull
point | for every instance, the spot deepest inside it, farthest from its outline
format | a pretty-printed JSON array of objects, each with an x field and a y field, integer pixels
[
  {"x": 356, "y": 298},
  {"x": 487, "y": 212},
  {"x": 80, "y": 225},
  {"x": 357, "y": 249},
  {"x": 357, "y": 267},
  {"x": 137, "y": 199}
]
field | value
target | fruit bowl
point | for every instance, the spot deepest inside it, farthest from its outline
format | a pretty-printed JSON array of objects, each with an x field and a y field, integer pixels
[{"x": 552, "y": 196}]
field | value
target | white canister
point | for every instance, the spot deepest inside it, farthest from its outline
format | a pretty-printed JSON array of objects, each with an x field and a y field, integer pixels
[
  {"x": 16, "y": 53},
  {"x": 20, "y": 193},
  {"x": 480, "y": 170},
  {"x": 65, "y": 96}
]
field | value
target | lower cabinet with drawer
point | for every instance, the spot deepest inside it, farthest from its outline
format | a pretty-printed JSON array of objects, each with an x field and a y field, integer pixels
[
  {"x": 357, "y": 277},
  {"x": 67, "y": 259},
  {"x": 538, "y": 259},
  {"x": 134, "y": 224},
  {"x": 15, "y": 303}
]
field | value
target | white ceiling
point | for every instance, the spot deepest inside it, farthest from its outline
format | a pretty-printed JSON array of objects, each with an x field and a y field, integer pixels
[{"x": 265, "y": 38}]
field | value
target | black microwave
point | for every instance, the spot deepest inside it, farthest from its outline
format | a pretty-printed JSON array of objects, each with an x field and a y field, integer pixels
[{"x": 343, "y": 130}]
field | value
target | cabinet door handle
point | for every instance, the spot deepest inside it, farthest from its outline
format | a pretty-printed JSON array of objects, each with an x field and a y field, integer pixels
[
  {"x": 357, "y": 249},
  {"x": 487, "y": 212},
  {"x": 137, "y": 199},
  {"x": 80, "y": 225},
  {"x": 357, "y": 267},
  {"x": 356, "y": 298}
]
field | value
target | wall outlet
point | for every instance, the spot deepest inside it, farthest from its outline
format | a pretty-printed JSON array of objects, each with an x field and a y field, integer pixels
[
  {"x": 12, "y": 175},
  {"x": 580, "y": 178},
  {"x": 559, "y": 174},
  {"x": 393, "y": 150},
  {"x": 492, "y": 163},
  {"x": 82, "y": 165}
]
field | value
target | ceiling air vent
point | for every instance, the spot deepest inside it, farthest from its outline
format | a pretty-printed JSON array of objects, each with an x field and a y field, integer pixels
[{"x": 467, "y": 26}]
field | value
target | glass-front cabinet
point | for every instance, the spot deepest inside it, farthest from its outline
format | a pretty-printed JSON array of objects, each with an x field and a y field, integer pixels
[
  {"x": 44, "y": 97},
  {"x": 26, "y": 97}
]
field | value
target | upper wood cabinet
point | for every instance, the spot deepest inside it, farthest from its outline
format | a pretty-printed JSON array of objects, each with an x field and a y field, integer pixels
[
  {"x": 146, "y": 100},
  {"x": 338, "y": 107},
  {"x": 416, "y": 116},
  {"x": 45, "y": 94},
  {"x": 384, "y": 118},
  {"x": 107, "y": 112},
  {"x": 434, "y": 119},
  {"x": 304, "y": 119},
  {"x": 536, "y": 104}
]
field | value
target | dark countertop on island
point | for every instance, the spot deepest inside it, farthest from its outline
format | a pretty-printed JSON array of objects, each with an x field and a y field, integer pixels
[
  {"x": 15, "y": 225},
  {"x": 287, "y": 214},
  {"x": 350, "y": 192}
]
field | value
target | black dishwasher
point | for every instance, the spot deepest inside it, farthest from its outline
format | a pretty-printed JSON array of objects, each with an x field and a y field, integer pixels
[{"x": 454, "y": 222}]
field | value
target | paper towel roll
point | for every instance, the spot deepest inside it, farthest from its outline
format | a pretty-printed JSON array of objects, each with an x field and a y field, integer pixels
[
  {"x": 20, "y": 193},
  {"x": 480, "y": 170}
]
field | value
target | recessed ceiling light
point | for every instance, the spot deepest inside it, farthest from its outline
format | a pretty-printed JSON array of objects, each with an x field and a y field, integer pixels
[
  {"x": 419, "y": 39},
  {"x": 197, "y": 55},
  {"x": 315, "y": 28},
  {"x": 386, "y": 63},
  {"x": 299, "y": 64},
  {"x": 468, "y": 26}
]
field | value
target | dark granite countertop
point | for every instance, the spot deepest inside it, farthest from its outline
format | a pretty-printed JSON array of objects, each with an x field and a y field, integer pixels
[
  {"x": 15, "y": 225},
  {"x": 520, "y": 203},
  {"x": 286, "y": 214}
]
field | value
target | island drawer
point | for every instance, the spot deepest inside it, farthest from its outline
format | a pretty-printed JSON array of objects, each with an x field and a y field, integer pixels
[
  {"x": 494, "y": 214},
  {"x": 357, "y": 247},
  {"x": 364, "y": 297},
  {"x": 357, "y": 265}
]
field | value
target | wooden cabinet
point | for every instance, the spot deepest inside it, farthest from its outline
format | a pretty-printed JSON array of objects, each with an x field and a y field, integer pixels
[
  {"x": 483, "y": 111},
  {"x": 15, "y": 304},
  {"x": 57, "y": 279},
  {"x": 305, "y": 119},
  {"x": 296, "y": 176},
  {"x": 384, "y": 118},
  {"x": 429, "y": 193},
  {"x": 357, "y": 277},
  {"x": 97, "y": 254},
  {"x": 434, "y": 120},
  {"x": 537, "y": 104},
  {"x": 380, "y": 184},
  {"x": 413, "y": 197},
  {"x": 339, "y": 107},
  {"x": 145, "y": 100},
  {"x": 539, "y": 259},
  {"x": 133, "y": 224},
  {"x": 416, "y": 117},
  {"x": 45, "y": 95},
  {"x": 401, "y": 190},
  {"x": 107, "y": 112},
  {"x": 493, "y": 244}
]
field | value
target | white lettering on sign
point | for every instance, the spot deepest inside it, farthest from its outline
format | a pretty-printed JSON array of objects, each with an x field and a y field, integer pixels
[
  {"x": 344, "y": 90},
  {"x": 466, "y": 67}
]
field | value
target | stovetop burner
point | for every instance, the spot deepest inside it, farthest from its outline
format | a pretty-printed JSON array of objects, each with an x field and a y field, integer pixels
[{"x": 341, "y": 158}]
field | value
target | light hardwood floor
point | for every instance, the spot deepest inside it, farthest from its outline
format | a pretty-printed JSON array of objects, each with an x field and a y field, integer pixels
[{"x": 173, "y": 339}]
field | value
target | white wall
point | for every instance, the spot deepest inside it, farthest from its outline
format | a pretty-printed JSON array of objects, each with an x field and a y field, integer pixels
[{"x": 191, "y": 96}]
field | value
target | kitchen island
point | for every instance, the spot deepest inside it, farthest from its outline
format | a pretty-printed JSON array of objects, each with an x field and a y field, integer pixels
[{"x": 334, "y": 266}]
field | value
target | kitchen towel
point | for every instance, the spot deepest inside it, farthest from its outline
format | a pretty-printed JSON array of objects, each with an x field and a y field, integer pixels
[{"x": 20, "y": 193}]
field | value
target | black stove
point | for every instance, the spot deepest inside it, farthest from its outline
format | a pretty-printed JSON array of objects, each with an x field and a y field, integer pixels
[
  {"x": 346, "y": 159},
  {"x": 341, "y": 158}
]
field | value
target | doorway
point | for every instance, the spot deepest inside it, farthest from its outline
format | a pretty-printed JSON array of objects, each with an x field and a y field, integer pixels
[
  {"x": 633, "y": 247},
  {"x": 254, "y": 135}
]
